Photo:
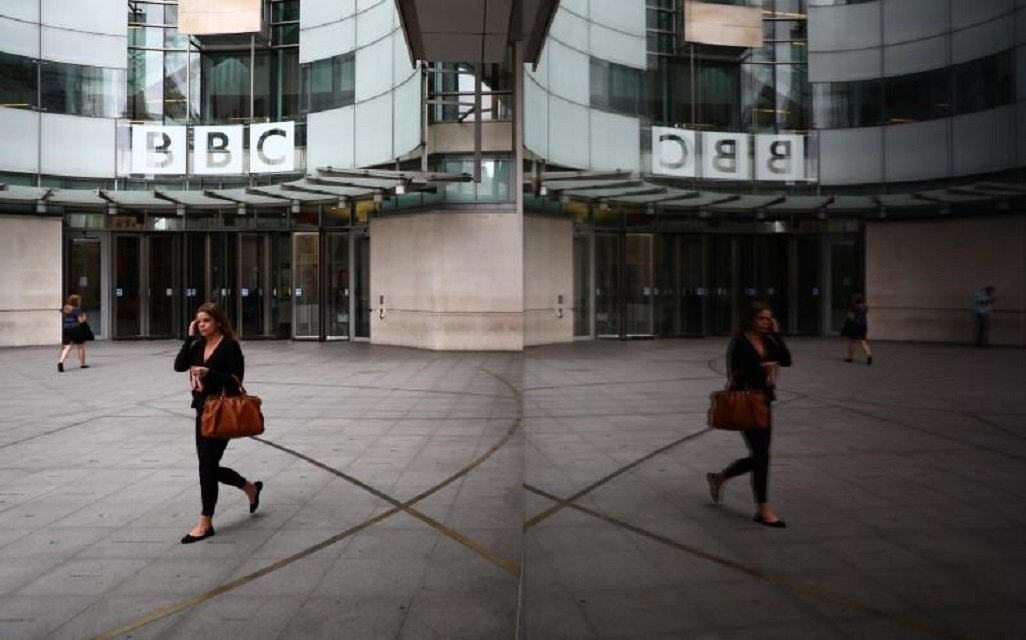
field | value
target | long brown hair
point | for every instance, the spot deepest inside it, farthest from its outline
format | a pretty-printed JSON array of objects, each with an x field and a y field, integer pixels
[
  {"x": 747, "y": 318},
  {"x": 215, "y": 311},
  {"x": 75, "y": 300}
]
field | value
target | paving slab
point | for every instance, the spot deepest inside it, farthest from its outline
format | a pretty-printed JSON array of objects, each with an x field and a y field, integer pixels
[{"x": 555, "y": 493}]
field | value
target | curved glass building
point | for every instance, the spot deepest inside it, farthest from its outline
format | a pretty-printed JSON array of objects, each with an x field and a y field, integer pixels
[{"x": 506, "y": 173}]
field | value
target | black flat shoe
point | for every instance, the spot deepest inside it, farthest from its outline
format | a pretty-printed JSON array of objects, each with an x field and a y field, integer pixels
[
  {"x": 256, "y": 499},
  {"x": 60, "y": 367},
  {"x": 85, "y": 366},
  {"x": 776, "y": 524},
  {"x": 714, "y": 487},
  {"x": 189, "y": 539}
]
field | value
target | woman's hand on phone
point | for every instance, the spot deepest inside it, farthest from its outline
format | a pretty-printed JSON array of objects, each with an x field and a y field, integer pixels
[{"x": 192, "y": 328}]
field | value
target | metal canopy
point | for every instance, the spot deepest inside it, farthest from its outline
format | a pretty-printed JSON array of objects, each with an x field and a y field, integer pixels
[
  {"x": 137, "y": 200},
  {"x": 196, "y": 199},
  {"x": 799, "y": 204},
  {"x": 336, "y": 191},
  {"x": 700, "y": 199},
  {"x": 616, "y": 192},
  {"x": 853, "y": 204},
  {"x": 474, "y": 30},
  {"x": 655, "y": 197},
  {"x": 956, "y": 196},
  {"x": 242, "y": 196},
  {"x": 745, "y": 204},
  {"x": 906, "y": 201},
  {"x": 22, "y": 195},
  {"x": 77, "y": 198},
  {"x": 556, "y": 186},
  {"x": 277, "y": 191},
  {"x": 381, "y": 184}
]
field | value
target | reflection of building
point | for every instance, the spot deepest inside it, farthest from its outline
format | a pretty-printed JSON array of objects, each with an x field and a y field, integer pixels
[{"x": 678, "y": 159}]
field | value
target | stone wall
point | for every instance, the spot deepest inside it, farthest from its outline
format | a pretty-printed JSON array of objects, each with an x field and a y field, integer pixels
[
  {"x": 30, "y": 289},
  {"x": 921, "y": 278}
]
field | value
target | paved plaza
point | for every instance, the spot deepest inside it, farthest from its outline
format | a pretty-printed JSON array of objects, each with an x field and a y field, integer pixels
[{"x": 557, "y": 493}]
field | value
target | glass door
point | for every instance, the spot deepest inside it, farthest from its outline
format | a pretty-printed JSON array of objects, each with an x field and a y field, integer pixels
[
  {"x": 281, "y": 285},
  {"x": 336, "y": 260},
  {"x": 608, "y": 258},
  {"x": 127, "y": 286},
  {"x": 306, "y": 285},
  {"x": 252, "y": 285},
  {"x": 195, "y": 283},
  {"x": 809, "y": 295},
  {"x": 223, "y": 267},
  {"x": 582, "y": 286},
  {"x": 161, "y": 261},
  {"x": 844, "y": 281},
  {"x": 361, "y": 283},
  {"x": 83, "y": 277},
  {"x": 640, "y": 289},
  {"x": 723, "y": 279}
]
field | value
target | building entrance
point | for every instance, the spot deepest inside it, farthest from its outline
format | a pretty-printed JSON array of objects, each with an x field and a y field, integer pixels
[
  {"x": 674, "y": 284},
  {"x": 146, "y": 289},
  {"x": 331, "y": 285}
]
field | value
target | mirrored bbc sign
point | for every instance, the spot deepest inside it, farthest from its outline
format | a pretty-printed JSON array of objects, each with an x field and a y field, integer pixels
[
  {"x": 727, "y": 156},
  {"x": 216, "y": 149}
]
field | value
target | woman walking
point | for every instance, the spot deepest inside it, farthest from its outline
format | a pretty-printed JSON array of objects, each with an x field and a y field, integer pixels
[
  {"x": 213, "y": 358},
  {"x": 856, "y": 327},
  {"x": 71, "y": 332},
  {"x": 755, "y": 356}
]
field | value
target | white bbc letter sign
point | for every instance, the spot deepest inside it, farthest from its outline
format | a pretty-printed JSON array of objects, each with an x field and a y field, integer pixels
[
  {"x": 673, "y": 152},
  {"x": 271, "y": 147},
  {"x": 779, "y": 157},
  {"x": 158, "y": 150},
  {"x": 217, "y": 150},
  {"x": 725, "y": 156}
]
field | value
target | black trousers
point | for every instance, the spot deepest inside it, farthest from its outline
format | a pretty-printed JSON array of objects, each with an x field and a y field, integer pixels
[
  {"x": 982, "y": 329},
  {"x": 209, "y": 452},
  {"x": 757, "y": 462}
]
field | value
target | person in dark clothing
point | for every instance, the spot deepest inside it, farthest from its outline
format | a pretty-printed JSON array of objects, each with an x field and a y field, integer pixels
[
  {"x": 71, "y": 332},
  {"x": 856, "y": 328},
  {"x": 213, "y": 358},
  {"x": 755, "y": 356}
]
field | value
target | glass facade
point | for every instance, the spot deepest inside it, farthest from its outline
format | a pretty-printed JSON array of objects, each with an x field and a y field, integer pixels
[{"x": 956, "y": 90}]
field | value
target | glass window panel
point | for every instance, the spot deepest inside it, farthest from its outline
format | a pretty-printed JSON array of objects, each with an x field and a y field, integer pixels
[
  {"x": 81, "y": 90},
  {"x": 285, "y": 34},
  {"x": 285, "y": 11},
  {"x": 145, "y": 37},
  {"x": 225, "y": 87},
  {"x": 718, "y": 96},
  {"x": 145, "y": 85},
  {"x": 985, "y": 83},
  {"x": 599, "y": 82},
  {"x": 18, "y": 88},
  {"x": 286, "y": 83},
  {"x": 758, "y": 97},
  {"x": 176, "y": 87},
  {"x": 263, "y": 100},
  {"x": 792, "y": 97},
  {"x": 790, "y": 52},
  {"x": 918, "y": 96}
]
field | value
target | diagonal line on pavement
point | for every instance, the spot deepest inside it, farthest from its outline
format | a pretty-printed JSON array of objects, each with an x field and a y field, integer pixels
[
  {"x": 188, "y": 603},
  {"x": 534, "y": 520},
  {"x": 791, "y": 585}
]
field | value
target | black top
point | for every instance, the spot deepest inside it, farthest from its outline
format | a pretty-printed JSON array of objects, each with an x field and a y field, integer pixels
[
  {"x": 226, "y": 361},
  {"x": 746, "y": 371}
]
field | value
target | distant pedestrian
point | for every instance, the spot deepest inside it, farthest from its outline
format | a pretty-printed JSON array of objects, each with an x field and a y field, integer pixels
[
  {"x": 856, "y": 328},
  {"x": 72, "y": 332},
  {"x": 213, "y": 358},
  {"x": 983, "y": 305},
  {"x": 754, "y": 358}
]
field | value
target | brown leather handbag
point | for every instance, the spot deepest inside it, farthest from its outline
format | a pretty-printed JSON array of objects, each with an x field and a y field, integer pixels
[
  {"x": 227, "y": 416},
  {"x": 738, "y": 410}
]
